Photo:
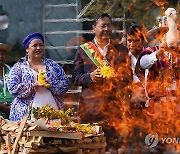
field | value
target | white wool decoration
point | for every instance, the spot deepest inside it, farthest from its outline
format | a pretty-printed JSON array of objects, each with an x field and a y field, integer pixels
[{"x": 172, "y": 36}]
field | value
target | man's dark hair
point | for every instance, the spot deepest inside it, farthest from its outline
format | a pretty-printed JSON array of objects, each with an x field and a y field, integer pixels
[
  {"x": 100, "y": 16},
  {"x": 136, "y": 29}
]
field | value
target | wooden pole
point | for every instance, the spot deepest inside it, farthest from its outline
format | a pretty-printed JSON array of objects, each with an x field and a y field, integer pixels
[{"x": 23, "y": 122}]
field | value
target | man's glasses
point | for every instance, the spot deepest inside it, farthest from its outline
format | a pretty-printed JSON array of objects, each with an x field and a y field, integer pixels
[{"x": 104, "y": 26}]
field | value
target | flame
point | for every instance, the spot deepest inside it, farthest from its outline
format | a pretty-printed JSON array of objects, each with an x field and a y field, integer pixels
[
  {"x": 163, "y": 114},
  {"x": 133, "y": 121},
  {"x": 160, "y": 3}
]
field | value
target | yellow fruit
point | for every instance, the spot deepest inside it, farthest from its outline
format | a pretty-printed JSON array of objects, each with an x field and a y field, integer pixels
[
  {"x": 41, "y": 78},
  {"x": 84, "y": 128}
]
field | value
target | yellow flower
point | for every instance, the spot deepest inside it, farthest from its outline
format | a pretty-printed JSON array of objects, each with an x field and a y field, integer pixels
[{"x": 106, "y": 71}]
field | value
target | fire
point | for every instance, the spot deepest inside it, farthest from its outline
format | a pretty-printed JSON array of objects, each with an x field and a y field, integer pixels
[
  {"x": 160, "y": 3},
  {"x": 133, "y": 121},
  {"x": 161, "y": 117}
]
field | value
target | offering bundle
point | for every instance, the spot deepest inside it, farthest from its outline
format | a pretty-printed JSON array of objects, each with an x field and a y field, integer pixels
[{"x": 58, "y": 120}]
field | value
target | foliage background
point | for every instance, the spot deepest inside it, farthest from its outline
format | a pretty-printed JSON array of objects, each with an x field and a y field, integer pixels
[
  {"x": 26, "y": 16},
  {"x": 144, "y": 12}
]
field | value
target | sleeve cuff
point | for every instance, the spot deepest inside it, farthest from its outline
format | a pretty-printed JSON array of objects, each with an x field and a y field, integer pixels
[
  {"x": 148, "y": 60},
  {"x": 153, "y": 57}
]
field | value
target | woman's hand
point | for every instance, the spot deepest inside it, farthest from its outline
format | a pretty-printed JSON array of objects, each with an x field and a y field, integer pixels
[{"x": 38, "y": 86}]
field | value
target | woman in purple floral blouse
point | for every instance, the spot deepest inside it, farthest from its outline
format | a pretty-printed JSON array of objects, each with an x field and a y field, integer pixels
[{"x": 22, "y": 80}]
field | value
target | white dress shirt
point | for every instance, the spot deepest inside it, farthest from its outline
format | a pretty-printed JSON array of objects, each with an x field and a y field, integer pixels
[
  {"x": 133, "y": 65},
  {"x": 104, "y": 50},
  {"x": 136, "y": 79}
]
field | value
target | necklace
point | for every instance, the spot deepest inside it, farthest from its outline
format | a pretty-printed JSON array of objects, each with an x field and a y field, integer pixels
[
  {"x": 105, "y": 61},
  {"x": 38, "y": 66}
]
